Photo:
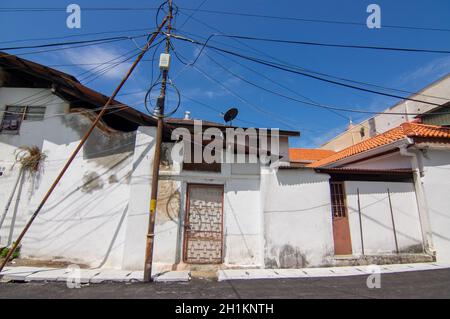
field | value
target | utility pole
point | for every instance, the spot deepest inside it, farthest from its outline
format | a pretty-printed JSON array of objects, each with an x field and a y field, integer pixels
[
  {"x": 157, "y": 158},
  {"x": 81, "y": 143}
]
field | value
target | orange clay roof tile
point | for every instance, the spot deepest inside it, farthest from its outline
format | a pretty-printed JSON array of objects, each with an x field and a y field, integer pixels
[
  {"x": 308, "y": 155},
  {"x": 400, "y": 132}
]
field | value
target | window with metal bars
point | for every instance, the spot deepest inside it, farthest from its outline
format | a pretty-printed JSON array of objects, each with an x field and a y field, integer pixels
[
  {"x": 338, "y": 201},
  {"x": 15, "y": 115}
]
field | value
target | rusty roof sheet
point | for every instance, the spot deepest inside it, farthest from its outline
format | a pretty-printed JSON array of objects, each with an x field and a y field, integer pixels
[{"x": 70, "y": 87}]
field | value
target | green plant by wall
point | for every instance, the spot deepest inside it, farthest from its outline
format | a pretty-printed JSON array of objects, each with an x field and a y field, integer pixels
[{"x": 4, "y": 252}]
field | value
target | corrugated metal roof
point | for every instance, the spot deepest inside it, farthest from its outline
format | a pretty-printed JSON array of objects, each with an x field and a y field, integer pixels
[{"x": 69, "y": 87}]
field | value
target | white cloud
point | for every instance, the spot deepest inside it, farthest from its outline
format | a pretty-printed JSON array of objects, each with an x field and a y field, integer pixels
[
  {"x": 87, "y": 57},
  {"x": 430, "y": 71}
]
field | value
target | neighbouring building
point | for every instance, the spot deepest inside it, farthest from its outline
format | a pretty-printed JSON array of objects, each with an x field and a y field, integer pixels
[
  {"x": 392, "y": 192},
  {"x": 438, "y": 116},
  {"x": 380, "y": 201},
  {"x": 437, "y": 93}
]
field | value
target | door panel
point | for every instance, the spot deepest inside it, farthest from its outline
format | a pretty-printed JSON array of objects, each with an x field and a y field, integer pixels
[
  {"x": 203, "y": 229},
  {"x": 341, "y": 228}
]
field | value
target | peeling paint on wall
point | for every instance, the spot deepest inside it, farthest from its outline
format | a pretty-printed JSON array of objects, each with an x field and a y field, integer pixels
[
  {"x": 166, "y": 158},
  {"x": 103, "y": 140},
  {"x": 169, "y": 201},
  {"x": 286, "y": 257}
]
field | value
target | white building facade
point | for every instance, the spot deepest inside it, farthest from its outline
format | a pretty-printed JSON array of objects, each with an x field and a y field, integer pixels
[{"x": 382, "y": 205}]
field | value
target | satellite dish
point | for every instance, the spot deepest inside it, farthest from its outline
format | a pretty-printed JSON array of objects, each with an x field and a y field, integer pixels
[{"x": 230, "y": 115}]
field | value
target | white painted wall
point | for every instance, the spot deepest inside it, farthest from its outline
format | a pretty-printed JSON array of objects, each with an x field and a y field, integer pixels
[
  {"x": 243, "y": 228},
  {"x": 377, "y": 226},
  {"x": 389, "y": 161},
  {"x": 139, "y": 200},
  {"x": 83, "y": 221},
  {"x": 437, "y": 189},
  {"x": 297, "y": 219},
  {"x": 271, "y": 218}
]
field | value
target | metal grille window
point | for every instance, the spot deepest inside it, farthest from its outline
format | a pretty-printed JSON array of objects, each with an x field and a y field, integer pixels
[
  {"x": 338, "y": 202},
  {"x": 14, "y": 115},
  {"x": 34, "y": 113}
]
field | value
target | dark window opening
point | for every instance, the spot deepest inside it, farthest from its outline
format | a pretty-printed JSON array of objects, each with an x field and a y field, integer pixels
[
  {"x": 203, "y": 166},
  {"x": 338, "y": 201},
  {"x": 15, "y": 115}
]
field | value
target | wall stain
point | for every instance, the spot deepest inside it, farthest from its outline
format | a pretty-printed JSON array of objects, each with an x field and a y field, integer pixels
[
  {"x": 169, "y": 201},
  {"x": 112, "y": 179},
  {"x": 91, "y": 182},
  {"x": 414, "y": 249},
  {"x": 286, "y": 257},
  {"x": 291, "y": 257},
  {"x": 102, "y": 142}
]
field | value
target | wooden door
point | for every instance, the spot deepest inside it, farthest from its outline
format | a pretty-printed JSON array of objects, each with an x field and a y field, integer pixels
[
  {"x": 341, "y": 228},
  {"x": 203, "y": 229}
]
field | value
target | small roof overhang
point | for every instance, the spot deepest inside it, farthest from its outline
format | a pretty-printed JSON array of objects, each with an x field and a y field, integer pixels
[{"x": 357, "y": 174}]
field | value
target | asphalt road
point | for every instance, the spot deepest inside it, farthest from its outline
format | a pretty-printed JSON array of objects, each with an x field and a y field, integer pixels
[{"x": 422, "y": 284}]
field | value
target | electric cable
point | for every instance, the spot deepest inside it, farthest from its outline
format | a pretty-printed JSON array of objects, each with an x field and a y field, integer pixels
[{"x": 274, "y": 65}]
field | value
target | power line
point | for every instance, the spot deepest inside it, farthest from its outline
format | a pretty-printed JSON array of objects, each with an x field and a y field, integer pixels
[
  {"x": 57, "y": 9},
  {"x": 93, "y": 75},
  {"x": 192, "y": 14},
  {"x": 72, "y": 42},
  {"x": 319, "y": 78},
  {"x": 306, "y": 102},
  {"x": 277, "y": 83},
  {"x": 257, "y": 85},
  {"x": 237, "y": 120},
  {"x": 264, "y": 54},
  {"x": 111, "y": 61},
  {"x": 253, "y": 106},
  {"x": 64, "y": 48},
  {"x": 74, "y": 35},
  {"x": 299, "y": 19},
  {"x": 334, "y": 45},
  {"x": 69, "y": 65},
  {"x": 286, "y": 41},
  {"x": 236, "y": 40},
  {"x": 111, "y": 65},
  {"x": 317, "y": 104},
  {"x": 313, "y": 103},
  {"x": 231, "y": 13},
  {"x": 290, "y": 65}
]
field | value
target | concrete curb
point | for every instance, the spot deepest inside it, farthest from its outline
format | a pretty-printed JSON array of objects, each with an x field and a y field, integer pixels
[
  {"x": 248, "y": 274},
  {"x": 86, "y": 276}
]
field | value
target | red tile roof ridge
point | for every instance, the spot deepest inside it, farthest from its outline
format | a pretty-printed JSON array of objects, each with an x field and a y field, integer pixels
[{"x": 405, "y": 130}]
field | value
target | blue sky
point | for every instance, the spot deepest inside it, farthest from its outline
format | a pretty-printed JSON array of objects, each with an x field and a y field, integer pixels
[{"x": 406, "y": 71}]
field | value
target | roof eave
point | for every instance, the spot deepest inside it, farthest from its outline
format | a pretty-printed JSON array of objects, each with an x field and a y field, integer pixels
[{"x": 369, "y": 153}]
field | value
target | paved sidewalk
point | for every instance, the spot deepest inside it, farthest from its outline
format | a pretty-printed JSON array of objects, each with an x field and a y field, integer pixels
[
  {"x": 242, "y": 274},
  {"x": 94, "y": 276},
  {"x": 410, "y": 284}
]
